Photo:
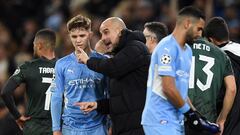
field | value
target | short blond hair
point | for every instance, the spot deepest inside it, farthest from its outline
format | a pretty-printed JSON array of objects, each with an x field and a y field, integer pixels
[{"x": 79, "y": 21}]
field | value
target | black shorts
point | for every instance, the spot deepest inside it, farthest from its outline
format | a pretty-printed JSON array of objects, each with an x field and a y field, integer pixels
[{"x": 38, "y": 127}]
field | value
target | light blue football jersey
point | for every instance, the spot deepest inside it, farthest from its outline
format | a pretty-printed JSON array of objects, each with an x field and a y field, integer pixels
[
  {"x": 168, "y": 59},
  {"x": 76, "y": 83}
]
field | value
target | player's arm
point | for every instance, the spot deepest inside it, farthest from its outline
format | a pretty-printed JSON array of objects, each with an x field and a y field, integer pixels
[
  {"x": 167, "y": 72},
  {"x": 6, "y": 95},
  {"x": 57, "y": 99},
  {"x": 172, "y": 94},
  {"x": 125, "y": 61},
  {"x": 230, "y": 85},
  {"x": 190, "y": 103}
]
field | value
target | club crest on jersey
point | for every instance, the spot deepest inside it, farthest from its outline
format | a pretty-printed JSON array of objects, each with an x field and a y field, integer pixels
[
  {"x": 165, "y": 59},
  {"x": 16, "y": 71}
]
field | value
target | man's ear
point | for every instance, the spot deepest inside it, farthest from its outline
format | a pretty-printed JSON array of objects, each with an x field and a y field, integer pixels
[
  {"x": 154, "y": 40},
  {"x": 187, "y": 23},
  {"x": 90, "y": 35},
  {"x": 40, "y": 46},
  {"x": 210, "y": 39},
  {"x": 119, "y": 31}
]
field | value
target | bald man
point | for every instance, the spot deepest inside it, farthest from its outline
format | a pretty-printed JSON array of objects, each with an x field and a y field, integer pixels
[{"x": 128, "y": 70}]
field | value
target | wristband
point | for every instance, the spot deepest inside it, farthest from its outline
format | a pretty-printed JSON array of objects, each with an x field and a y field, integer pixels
[{"x": 184, "y": 108}]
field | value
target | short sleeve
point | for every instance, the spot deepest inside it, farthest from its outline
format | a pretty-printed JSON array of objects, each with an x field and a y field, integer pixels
[
  {"x": 166, "y": 61},
  {"x": 19, "y": 74},
  {"x": 228, "y": 67}
]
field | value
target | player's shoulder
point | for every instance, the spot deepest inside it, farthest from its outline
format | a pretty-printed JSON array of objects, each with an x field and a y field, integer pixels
[
  {"x": 97, "y": 55},
  {"x": 167, "y": 39},
  {"x": 232, "y": 47},
  {"x": 231, "y": 43},
  {"x": 203, "y": 43},
  {"x": 42, "y": 60},
  {"x": 24, "y": 67},
  {"x": 64, "y": 59},
  {"x": 26, "y": 64},
  {"x": 167, "y": 43}
]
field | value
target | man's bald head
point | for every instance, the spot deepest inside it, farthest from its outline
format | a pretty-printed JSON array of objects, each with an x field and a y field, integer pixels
[
  {"x": 111, "y": 31},
  {"x": 115, "y": 22}
]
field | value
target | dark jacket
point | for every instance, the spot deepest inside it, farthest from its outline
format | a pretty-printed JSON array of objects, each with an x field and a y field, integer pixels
[
  {"x": 232, "y": 124},
  {"x": 128, "y": 71}
]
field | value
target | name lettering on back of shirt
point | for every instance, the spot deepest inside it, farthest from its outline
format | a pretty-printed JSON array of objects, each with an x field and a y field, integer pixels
[
  {"x": 201, "y": 46},
  {"x": 46, "y": 70}
]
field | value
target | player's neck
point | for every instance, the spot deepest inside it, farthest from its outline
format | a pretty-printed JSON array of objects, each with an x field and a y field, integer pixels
[
  {"x": 179, "y": 35},
  {"x": 220, "y": 43},
  {"x": 49, "y": 55}
]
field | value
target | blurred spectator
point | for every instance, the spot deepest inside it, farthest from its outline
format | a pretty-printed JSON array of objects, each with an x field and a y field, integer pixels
[
  {"x": 231, "y": 17},
  {"x": 144, "y": 13},
  {"x": 96, "y": 22},
  {"x": 64, "y": 45},
  {"x": 134, "y": 12},
  {"x": 22, "y": 57},
  {"x": 24, "y": 17},
  {"x": 76, "y": 6},
  {"x": 54, "y": 14},
  {"x": 167, "y": 13},
  {"x": 30, "y": 26},
  {"x": 5, "y": 64},
  {"x": 126, "y": 11},
  {"x": 100, "y": 7}
]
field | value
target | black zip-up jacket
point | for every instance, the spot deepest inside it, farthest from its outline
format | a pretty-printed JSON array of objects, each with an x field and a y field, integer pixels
[
  {"x": 232, "y": 124},
  {"x": 128, "y": 71}
]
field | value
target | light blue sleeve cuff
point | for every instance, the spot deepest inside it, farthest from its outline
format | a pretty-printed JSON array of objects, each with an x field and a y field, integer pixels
[
  {"x": 184, "y": 108},
  {"x": 56, "y": 107},
  {"x": 56, "y": 129}
]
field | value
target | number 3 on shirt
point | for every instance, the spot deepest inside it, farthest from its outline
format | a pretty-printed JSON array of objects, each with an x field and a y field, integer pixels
[{"x": 206, "y": 69}]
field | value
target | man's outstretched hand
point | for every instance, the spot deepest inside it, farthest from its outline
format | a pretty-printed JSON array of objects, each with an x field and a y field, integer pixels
[{"x": 87, "y": 107}]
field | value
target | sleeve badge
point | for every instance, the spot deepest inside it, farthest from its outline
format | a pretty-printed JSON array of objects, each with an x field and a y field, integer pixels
[{"x": 165, "y": 59}]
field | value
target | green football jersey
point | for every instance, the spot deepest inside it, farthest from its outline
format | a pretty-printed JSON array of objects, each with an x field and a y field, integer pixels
[
  {"x": 209, "y": 67},
  {"x": 37, "y": 75}
]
